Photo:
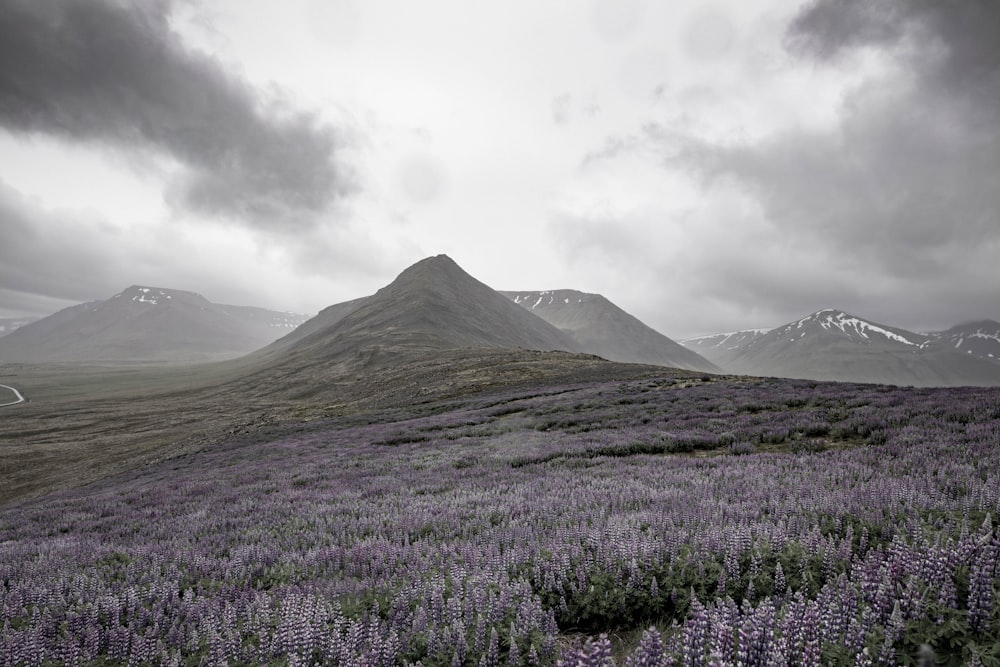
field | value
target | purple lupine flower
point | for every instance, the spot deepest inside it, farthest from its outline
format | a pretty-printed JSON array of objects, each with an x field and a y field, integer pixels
[
  {"x": 980, "y": 597},
  {"x": 780, "y": 585},
  {"x": 492, "y": 656},
  {"x": 650, "y": 651},
  {"x": 893, "y": 633},
  {"x": 595, "y": 653},
  {"x": 513, "y": 653}
]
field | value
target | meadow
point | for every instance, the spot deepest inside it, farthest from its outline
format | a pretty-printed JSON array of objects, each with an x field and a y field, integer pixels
[{"x": 670, "y": 521}]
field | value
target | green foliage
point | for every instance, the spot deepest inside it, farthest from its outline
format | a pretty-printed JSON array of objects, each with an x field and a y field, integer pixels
[{"x": 276, "y": 575}]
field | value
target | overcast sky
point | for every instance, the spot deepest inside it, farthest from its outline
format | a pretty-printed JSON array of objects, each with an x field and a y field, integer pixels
[{"x": 708, "y": 166}]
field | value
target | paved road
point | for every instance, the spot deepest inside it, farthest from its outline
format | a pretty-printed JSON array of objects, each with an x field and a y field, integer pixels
[{"x": 17, "y": 395}]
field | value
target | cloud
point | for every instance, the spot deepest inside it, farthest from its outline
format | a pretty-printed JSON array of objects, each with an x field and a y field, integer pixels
[
  {"x": 826, "y": 29},
  {"x": 709, "y": 34},
  {"x": 887, "y": 208},
  {"x": 903, "y": 186},
  {"x": 51, "y": 258},
  {"x": 115, "y": 73},
  {"x": 616, "y": 20},
  {"x": 561, "y": 108},
  {"x": 910, "y": 173}
]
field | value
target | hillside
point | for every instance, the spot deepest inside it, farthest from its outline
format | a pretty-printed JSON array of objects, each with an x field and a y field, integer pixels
[{"x": 600, "y": 327}]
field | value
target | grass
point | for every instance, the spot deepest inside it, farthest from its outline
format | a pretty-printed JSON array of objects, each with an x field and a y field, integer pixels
[{"x": 85, "y": 422}]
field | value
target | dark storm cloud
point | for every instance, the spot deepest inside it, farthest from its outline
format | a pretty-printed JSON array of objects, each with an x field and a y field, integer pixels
[
  {"x": 913, "y": 166},
  {"x": 903, "y": 189},
  {"x": 962, "y": 37},
  {"x": 825, "y": 29},
  {"x": 115, "y": 73}
]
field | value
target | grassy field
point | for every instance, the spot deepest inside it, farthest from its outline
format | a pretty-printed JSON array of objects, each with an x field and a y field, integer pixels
[{"x": 84, "y": 422}]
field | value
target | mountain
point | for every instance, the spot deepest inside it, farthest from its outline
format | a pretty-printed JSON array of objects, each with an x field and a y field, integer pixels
[
  {"x": 834, "y": 345},
  {"x": 722, "y": 348},
  {"x": 11, "y": 324},
  {"x": 979, "y": 339},
  {"x": 326, "y": 318},
  {"x": 431, "y": 306},
  {"x": 147, "y": 324},
  {"x": 600, "y": 327}
]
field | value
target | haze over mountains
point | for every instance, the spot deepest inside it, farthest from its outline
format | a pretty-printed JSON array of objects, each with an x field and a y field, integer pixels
[
  {"x": 147, "y": 324},
  {"x": 11, "y": 324},
  {"x": 833, "y": 345},
  {"x": 435, "y": 306}
]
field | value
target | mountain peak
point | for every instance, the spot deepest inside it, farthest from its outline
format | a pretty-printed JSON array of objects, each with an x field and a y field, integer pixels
[
  {"x": 841, "y": 324},
  {"x": 434, "y": 262},
  {"x": 434, "y": 267},
  {"x": 153, "y": 296},
  {"x": 826, "y": 314},
  {"x": 139, "y": 294},
  {"x": 437, "y": 278}
]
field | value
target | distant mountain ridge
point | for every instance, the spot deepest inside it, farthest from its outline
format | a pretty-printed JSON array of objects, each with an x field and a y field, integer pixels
[
  {"x": 147, "y": 324},
  {"x": 979, "y": 339},
  {"x": 722, "y": 348},
  {"x": 600, "y": 327},
  {"x": 833, "y": 345}
]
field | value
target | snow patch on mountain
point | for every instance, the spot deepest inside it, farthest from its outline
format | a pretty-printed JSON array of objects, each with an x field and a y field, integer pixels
[
  {"x": 979, "y": 333},
  {"x": 151, "y": 295},
  {"x": 542, "y": 299}
]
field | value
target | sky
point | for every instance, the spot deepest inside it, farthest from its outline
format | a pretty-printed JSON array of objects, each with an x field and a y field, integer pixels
[{"x": 708, "y": 166}]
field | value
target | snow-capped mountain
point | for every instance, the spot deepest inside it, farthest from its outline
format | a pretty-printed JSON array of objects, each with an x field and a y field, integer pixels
[
  {"x": 147, "y": 324},
  {"x": 600, "y": 327},
  {"x": 833, "y": 345},
  {"x": 841, "y": 326},
  {"x": 722, "y": 348},
  {"x": 979, "y": 339}
]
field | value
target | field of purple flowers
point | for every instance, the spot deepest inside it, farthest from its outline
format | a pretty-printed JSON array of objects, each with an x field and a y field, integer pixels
[{"x": 695, "y": 523}]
